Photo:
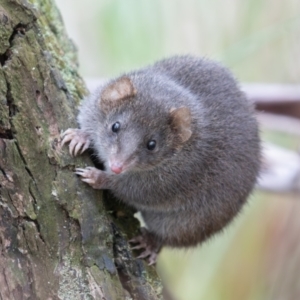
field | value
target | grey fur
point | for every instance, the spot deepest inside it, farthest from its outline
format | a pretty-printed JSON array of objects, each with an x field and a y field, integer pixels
[{"x": 186, "y": 192}]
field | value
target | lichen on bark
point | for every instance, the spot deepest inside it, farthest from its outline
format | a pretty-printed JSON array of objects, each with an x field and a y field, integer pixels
[{"x": 57, "y": 239}]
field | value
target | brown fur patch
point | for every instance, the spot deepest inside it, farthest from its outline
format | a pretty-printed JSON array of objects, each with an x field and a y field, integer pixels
[
  {"x": 181, "y": 122},
  {"x": 115, "y": 93}
]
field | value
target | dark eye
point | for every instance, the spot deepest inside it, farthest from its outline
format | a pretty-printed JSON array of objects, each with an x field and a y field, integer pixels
[
  {"x": 116, "y": 127},
  {"x": 151, "y": 145}
]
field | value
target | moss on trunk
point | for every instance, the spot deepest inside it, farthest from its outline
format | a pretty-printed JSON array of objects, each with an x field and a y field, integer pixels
[{"x": 57, "y": 240}]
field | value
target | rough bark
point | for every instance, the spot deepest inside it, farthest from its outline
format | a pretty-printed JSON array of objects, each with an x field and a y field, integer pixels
[{"x": 57, "y": 237}]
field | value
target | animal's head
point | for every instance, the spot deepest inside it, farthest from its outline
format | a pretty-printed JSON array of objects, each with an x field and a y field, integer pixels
[{"x": 138, "y": 130}]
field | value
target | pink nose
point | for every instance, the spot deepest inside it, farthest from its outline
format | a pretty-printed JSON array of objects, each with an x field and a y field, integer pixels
[{"x": 116, "y": 168}]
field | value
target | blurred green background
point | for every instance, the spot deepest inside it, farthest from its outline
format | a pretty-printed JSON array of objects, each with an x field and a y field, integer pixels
[
  {"x": 258, "y": 39},
  {"x": 258, "y": 255}
]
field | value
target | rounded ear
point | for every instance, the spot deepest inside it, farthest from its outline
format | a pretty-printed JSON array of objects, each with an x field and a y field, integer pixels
[
  {"x": 180, "y": 121},
  {"x": 116, "y": 93}
]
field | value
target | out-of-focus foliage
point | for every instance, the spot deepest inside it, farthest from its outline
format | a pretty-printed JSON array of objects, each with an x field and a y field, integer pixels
[
  {"x": 258, "y": 255},
  {"x": 258, "y": 39}
]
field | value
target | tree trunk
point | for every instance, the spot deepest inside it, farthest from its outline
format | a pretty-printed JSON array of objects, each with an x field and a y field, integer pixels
[{"x": 57, "y": 238}]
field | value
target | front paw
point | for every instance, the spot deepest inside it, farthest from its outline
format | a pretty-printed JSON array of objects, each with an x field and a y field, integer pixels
[
  {"x": 94, "y": 177},
  {"x": 79, "y": 140}
]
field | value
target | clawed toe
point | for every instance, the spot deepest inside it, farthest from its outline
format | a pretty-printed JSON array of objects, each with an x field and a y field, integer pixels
[
  {"x": 79, "y": 171},
  {"x": 136, "y": 239},
  {"x": 150, "y": 245},
  {"x": 92, "y": 176},
  {"x": 152, "y": 259},
  {"x": 137, "y": 247},
  {"x": 79, "y": 141},
  {"x": 145, "y": 253}
]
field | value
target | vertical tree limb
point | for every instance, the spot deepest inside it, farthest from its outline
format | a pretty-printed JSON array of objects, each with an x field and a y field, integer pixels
[{"x": 57, "y": 241}]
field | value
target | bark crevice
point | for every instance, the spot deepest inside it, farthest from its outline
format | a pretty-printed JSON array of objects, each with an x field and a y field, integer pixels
[
  {"x": 12, "y": 108},
  {"x": 118, "y": 248},
  {"x": 19, "y": 29},
  {"x": 6, "y": 134}
]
